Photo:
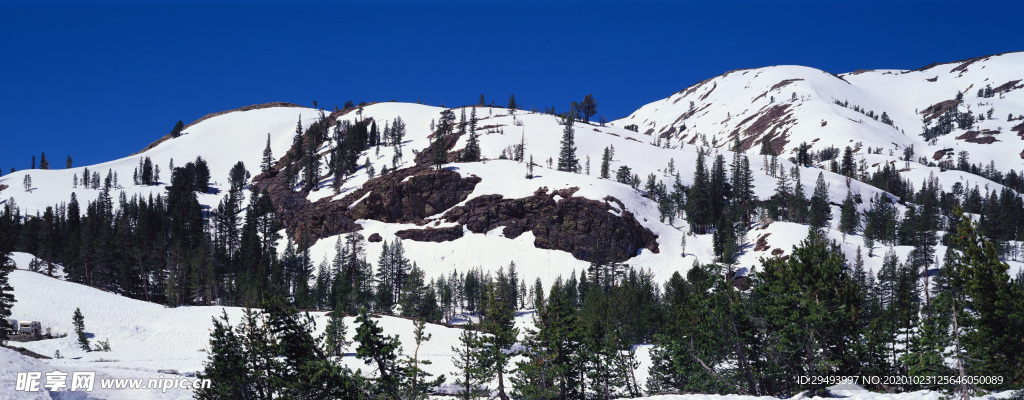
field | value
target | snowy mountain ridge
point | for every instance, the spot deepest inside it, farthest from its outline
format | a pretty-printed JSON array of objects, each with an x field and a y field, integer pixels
[
  {"x": 787, "y": 105},
  {"x": 459, "y": 230}
]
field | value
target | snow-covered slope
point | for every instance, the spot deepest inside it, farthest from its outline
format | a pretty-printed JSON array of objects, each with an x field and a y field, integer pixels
[
  {"x": 241, "y": 136},
  {"x": 146, "y": 338},
  {"x": 788, "y": 105}
]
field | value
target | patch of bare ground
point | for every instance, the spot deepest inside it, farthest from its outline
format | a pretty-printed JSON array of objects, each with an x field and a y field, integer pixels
[
  {"x": 1011, "y": 85},
  {"x": 770, "y": 125},
  {"x": 26, "y": 352},
  {"x": 1019, "y": 129},
  {"x": 708, "y": 93},
  {"x": 940, "y": 154},
  {"x": 784, "y": 83},
  {"x": 777, "y": 252},
  {"x": 762, "y": 243},
  {"x": 693, "y": 88},
  {"x": 167, "y": 137},
  {"x": 932, "y": 79},
  {"x": 2, "y": 187},
  {"x": 983, "y": 137},
  {"x": 935, "y": 110},
  {"x": 965, "y": 63}
]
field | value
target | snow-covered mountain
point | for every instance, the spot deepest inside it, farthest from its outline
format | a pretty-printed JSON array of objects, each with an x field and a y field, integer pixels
[
  {"x": 758, "y": 103},
  {"x": 455, "y": 227},
  {"x": 788, "y": 105}
]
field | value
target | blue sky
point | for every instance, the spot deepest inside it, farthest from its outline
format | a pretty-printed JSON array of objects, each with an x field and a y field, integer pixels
[{"x": 100, "y": 80}]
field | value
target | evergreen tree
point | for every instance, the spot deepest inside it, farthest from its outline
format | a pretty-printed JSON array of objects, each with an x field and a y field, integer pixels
[
  {"x": 272, "y": 354},
  {"x": 176, "y": 130},
  {"x": 499, "y": 321},
  {"x": 847, "y": 167},
  {"x": 803, "y": 156},
  {"x": 268, "y": 157},
  {"x": 78, "y": 321},
  {"x": 381, "y": 352},
  {"x": 512, "y": 103},
  {"x": 820, "y": 213},
  {"x": 419, "y": 385},
  {"x": 798, "y": 202},
  {"x": 698, "y": 205},
  {"x": 553, "y": 364},
  {"x": 472, "y": 151},
  {"x": 606, "y": 160},
  {"x": 68, "y": 163},
  {"x": 473, "y": 373},
  {"x": 994, "y": 331},
  {"x": 43, "y": 164},
  {"x": 718, "y": 189},
  {"x": 808, "y": 304},
  {"x": 849, "y": 219},
  {"x": 6, "y": 291},
  {"x": 567, "y": 160},
  {"x": 588, "y": 108}
]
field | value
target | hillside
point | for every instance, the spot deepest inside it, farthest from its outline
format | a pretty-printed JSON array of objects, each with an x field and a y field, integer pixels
[
  {"x": 788, "y": 105},
  {"x": 319, "y": 224}
]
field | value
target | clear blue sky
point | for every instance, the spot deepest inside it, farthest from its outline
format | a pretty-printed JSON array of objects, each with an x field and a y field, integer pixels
[{"x": 100, "y": 81}]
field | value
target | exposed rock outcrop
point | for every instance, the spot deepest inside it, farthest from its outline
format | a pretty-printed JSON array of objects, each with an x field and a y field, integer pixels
[
  {"x": 410, "y": 198},
  {"x": 430, "y": 234},
  {"x": 588, "y": 229}
]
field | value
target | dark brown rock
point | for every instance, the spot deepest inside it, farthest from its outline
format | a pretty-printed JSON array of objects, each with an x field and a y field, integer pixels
[
  {"x": 374, "y": 238},
  {"x": 391, "y": 198},
  {"x": 396, "y": 199},
  {"x": 588, "y": 229},
  {"x": 430, "y": 234}
]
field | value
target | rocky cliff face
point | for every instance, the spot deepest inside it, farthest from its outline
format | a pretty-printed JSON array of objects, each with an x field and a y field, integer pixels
[
  {"x": 404, "y": 196},
  {"x": 588, "y": 229}
]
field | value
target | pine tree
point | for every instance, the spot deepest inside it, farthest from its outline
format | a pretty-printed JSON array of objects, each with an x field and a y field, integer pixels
[
  {"x": 272, "y": 354},
  {"x": 567, "y": 160},
  {"x": 43, "y": 164},
  {"x": 27, "y": 182},
  {"x": 698, "y": 205},
  {"x": 6, "y": 291},
  {"x": 381, "y": 352},
  {"x": 820, "y": 213},
  {"x": 499, "y": 321},
  {"x": 511, "y": 103},
  {"x": 606, "y": 160},
  {"x": 588, "y": 107},
  {"x": 176, "y": 130},
  {"x": 68, "y": 163},
  {"x": 808, "y": 305},
  {"x": 419, "y": 385},
  {"x": 78, "y": 321},
  {"x": 268, "y": 157},
  {"x": 849, "y": 219},
  {"x": 847, "y": 167},
  {"x": 994, "y": 332},
  {"x": 798, "y": 202},
  {"x": 472, "y": 151},
  {"x": 472, "y": 373}
]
